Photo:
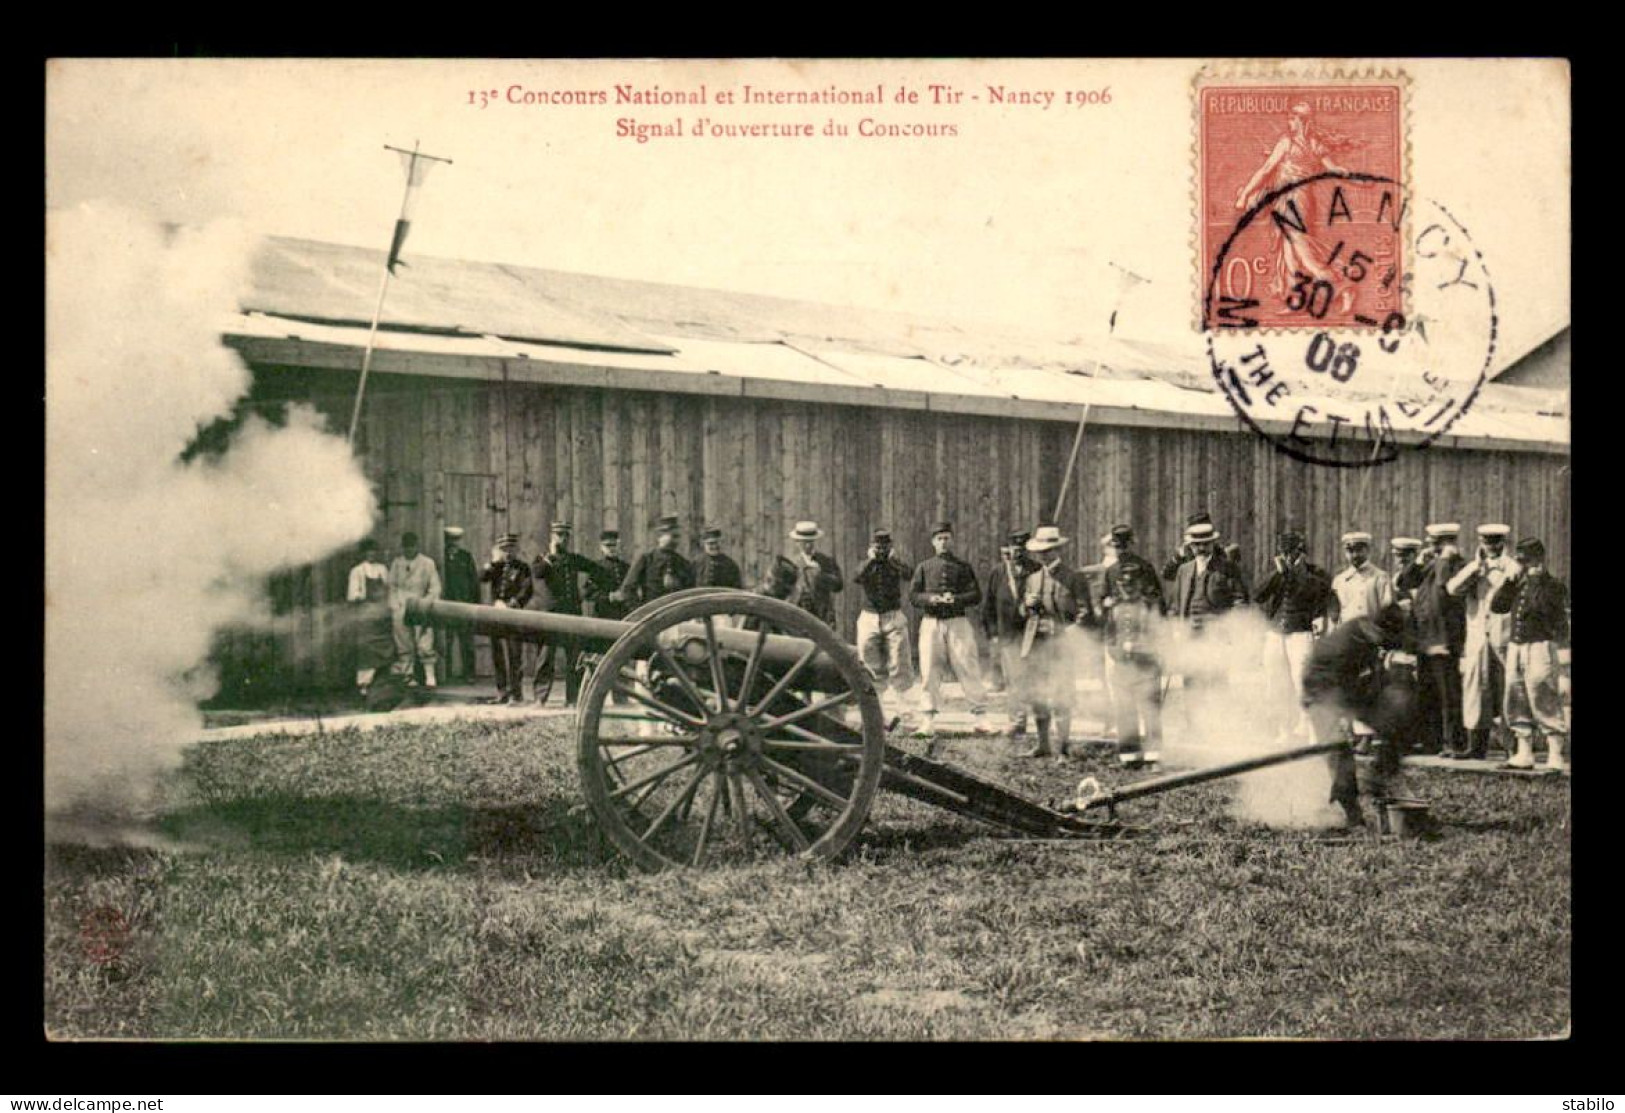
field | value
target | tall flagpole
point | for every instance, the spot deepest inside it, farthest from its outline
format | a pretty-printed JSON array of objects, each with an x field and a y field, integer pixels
[{"x": 398, "y": 238}]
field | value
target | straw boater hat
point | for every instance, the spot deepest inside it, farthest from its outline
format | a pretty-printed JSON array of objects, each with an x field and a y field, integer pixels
[
  {"x": 1443, "y": 529},
  {"x": 1494, "y": 529},
  {"x": 806, "y": 531},
  {"x": 1356, "y": 537},
  {"x": 454, "y": 532},
  {"x": 1046, "y": 538},
  {"x": 1201, "y": 531},
  {"x": 560, "y": 527},
  {"x": 508, "y": 541},
  {"x": 1404, "y": 544}
]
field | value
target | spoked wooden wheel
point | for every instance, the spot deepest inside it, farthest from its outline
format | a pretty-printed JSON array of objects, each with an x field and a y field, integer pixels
[{"x": 725, "y": 725}]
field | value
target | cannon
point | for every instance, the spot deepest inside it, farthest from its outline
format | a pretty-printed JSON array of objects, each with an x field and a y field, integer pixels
[{"x": 719, "y": 725}]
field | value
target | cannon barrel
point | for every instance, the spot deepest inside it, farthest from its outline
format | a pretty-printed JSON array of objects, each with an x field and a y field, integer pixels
[
  {"x": 1153, "y": 785},
  {"x": 598, "y": 634}
]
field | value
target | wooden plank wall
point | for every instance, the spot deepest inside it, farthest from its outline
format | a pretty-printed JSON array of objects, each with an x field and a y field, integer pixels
[{"x": 602, "y": 458}]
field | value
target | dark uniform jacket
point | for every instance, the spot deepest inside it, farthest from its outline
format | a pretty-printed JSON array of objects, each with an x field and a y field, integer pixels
[
  {"x": 559, "y": 574},
  {"x": 944, "y": 573},
  {"x": 1136, "y": 602},
  {"x": 1440, "y": 618},
  {"x": 717, "y": 571},
  {"x": 655, "y": 573},
  {"x": 1538, "y": 605},
  {"x": 1213, "y": 592},
  {"x": 510, "y": 581},
  {"x": 816, "y": 587},
  {"x": 1346, "y": 664},
  {"x": 1002, "y": 613},
  {"x": 1293, "y": 599},
  {"x": 462, "y": 579},
  {"x": 882, "y": 583},
  {"x": 606, "y": 575}
]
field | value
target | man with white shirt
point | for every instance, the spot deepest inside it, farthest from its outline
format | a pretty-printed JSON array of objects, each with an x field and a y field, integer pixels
[
  {"x": 1362, "y": 590},
  {"x": 1483, "y": 655},
  {"x": 412, "y": 575}
]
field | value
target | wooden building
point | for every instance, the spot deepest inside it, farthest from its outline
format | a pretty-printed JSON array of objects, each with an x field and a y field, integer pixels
[{"x": 502, "y": 398}]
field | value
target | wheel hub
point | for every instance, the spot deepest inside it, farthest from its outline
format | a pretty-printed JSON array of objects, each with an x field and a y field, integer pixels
[{"x": 732, "y": 737}]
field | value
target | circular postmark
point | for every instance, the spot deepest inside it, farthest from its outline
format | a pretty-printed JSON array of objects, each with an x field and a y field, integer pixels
[
  {"x": 1344, "y": 327},
  {"x": 104, "y": 933}
]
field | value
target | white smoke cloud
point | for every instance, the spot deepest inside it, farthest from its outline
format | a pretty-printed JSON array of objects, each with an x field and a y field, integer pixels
[{"x": 148, "y": 556}]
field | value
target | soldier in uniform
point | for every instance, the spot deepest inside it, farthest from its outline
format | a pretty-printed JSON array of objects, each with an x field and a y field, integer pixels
[
  {"x": 559, "y": 572},
  {"x": 660, "y": 571},
  {"x": 1483, "y": 655},
  {"x": 1004, "y": 622},
  {"x": 608, "y": 573},
  {"x": 1537, "y": 603},
  {"x": 511, "y": 588},
  {"x": 882, "y": 625},
  {"x": 715, "y": 568},
  {"x": 1293, "y": 597},
  {"x": 1441, "y": 630},
  {"x": 461, "y": 584},
  {"x": 1132, "y": 608},
  {"x": 944, "y": 590},
  {"x": 1055, "y": 600},
  {"x": 818, "y": 576}
]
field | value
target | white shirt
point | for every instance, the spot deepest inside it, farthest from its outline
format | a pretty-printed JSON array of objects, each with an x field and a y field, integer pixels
[
  {"x": 1362, "y": 592},
  {"x": 359, "y": 575}
]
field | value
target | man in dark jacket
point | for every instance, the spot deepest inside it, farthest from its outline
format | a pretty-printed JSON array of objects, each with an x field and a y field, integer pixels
[
  {"x": 658, "y": 572},
  {"x": 715, "y": 568},
  {"x": 1207, "y": 585},
  {"x": 1132, "y": 608},
  {"x": 882, "y": 626},
  {"x": 1186, "y": 551},
  {"x": 1538, "y": 603},
  {"x": 1440, "y": 623},
  {"x": 1342, "y": 680},
  {"x": 1292, "y": 596},
  {"x": 818, "y": 575},
  {"x": 944, "y": 590},
  {"x": 1056, "y": 601},
  {"x": 511, "y": 587},
  {"x": 1004, "y": 622},
  {"x": 460, "y": 584},
  {"x": 558, "y": 571},
  {"x": 608, "y": 573}
]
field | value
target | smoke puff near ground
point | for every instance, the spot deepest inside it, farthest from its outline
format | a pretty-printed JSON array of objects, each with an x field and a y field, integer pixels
[{"x": 147, "y": 557}]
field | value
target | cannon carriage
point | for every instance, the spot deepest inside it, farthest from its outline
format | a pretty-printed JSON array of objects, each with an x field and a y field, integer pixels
[{"x": 720, "y": 725}]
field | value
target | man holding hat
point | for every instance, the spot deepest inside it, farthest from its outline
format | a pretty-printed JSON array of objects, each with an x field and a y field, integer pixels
[
  {"x": 511, "y": 588},
  {"x": 882, "y": 625},
  {"x": 558, "y": 572},
  {"x": 1440, "y": 627},
  {"x": 412, "y": 575},
  {"x": 1537, "y": 603},
  {"x": 604, "y": 581},
  {"x": 1004, "y": 622},
  {"x": 818, "y": 577},
  {"x": 460, "y": 585},
  {"x": 1483, "y": 655},
  {"x": 659, "y": 572},
  {"x": 943, "y": 590},
  {"x": 1187, "y": 550},
  {"x": 1206, "y": 585},
  {"x": 715, "y": 568},
  {"x": 1055, "y": 600},
  {"x": 1132, "y": 606},
  {"x": 1293, "y": 596},
  {"x": 1362, "y": 589}
]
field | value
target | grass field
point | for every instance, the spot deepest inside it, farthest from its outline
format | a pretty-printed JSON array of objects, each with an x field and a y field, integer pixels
[{"x": 431, "y": 883}]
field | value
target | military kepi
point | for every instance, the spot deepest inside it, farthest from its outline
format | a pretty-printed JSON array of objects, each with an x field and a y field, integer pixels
[{"x": 667, "y": 524}]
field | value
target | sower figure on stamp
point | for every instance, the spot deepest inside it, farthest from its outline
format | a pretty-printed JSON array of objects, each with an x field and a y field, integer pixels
[
  {"x": 1342, "y": 680},
  {"x": 1004, "y": 621},
  {"x": 882, "y": 625},
  {"x": 511, "y": 587},
  {"x": 1056, "y": 601},
  {"x": 412, "y": 575},
  {"x": 558, "y": 572},
  {"x": 1132, "y": 609},
  {"x": 944, "y": 590},
  {"x": 1483, "y": 655},
  {"x": 368, "y": 595},
  {"x": 1441, "y": 630},
  {"x": 658, "y": 572},
  {"x": 1537, "y": 603},
  {"x": 461, "y": 584},
  {"x": 818, "y": 575},
  {"x": 1293, "y": 596},
  {"x": 715, "y": 568}
]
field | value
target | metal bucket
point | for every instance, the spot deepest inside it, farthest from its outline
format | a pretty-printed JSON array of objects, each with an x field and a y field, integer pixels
[{"x": 1406, "y": 819}]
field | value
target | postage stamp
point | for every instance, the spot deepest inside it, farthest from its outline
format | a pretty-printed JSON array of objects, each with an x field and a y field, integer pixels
[{"x": 1315, "y": 166}]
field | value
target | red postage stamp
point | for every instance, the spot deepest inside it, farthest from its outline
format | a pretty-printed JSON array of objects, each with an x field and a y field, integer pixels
[{"x": 1301, "y": 203}]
